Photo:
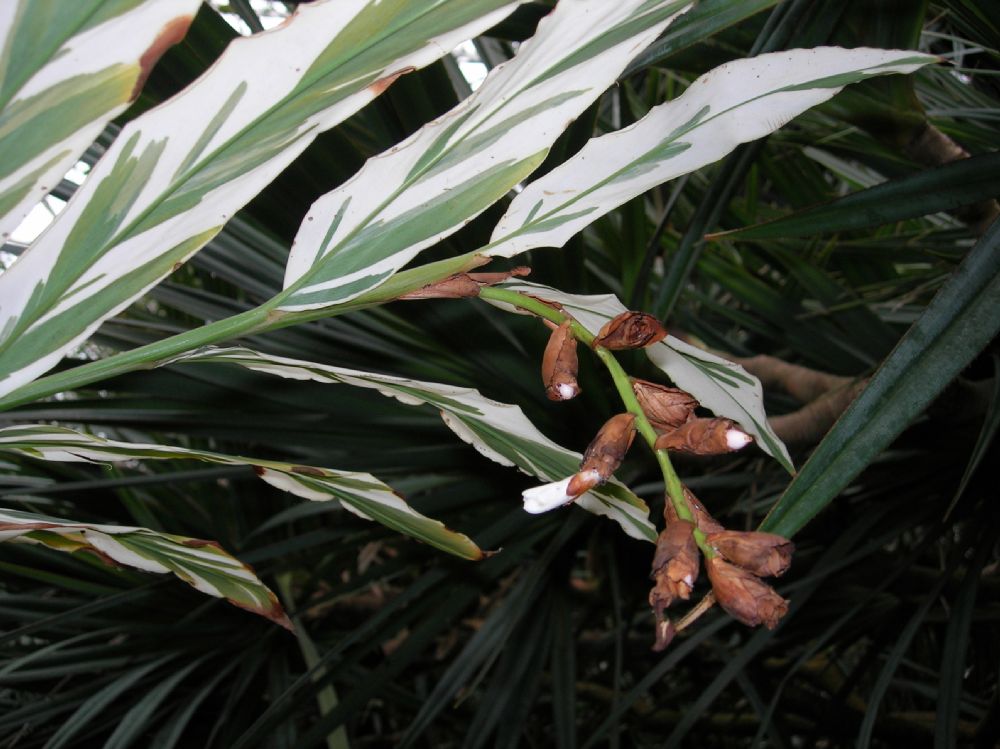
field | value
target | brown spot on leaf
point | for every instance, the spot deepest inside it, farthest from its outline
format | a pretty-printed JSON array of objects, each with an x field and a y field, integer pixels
[
  {"x": 259, "y": 470},
  {"x": 172, "y": 32},
  {"x": 198, "y": 543},
  {"x": 309, "y": 471}
]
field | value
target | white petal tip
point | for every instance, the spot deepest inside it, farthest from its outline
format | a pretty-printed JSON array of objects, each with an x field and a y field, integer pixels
[
  {"x": 539, "y": 499},
  {"x": 736, "y": 440},
  {"x": 567, "y": 391}
]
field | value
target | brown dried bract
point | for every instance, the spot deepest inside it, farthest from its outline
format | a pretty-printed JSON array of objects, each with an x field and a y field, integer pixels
[
  {"x": 665, "y": 632},
  {"x": 704, "y": 437},
  {"x": 744, "y": 595},
  {"x": 583, "y": 482},
  {"x": 703, "y": 520},
  {"x": 630, "y": 330},
  {"x": 675, "y": 565},
  {"x": 458, "y": 286},
  {"x": 666, "y": 408},
  {"x": 763, "y": 554},
  {"x": 463, "y": 285},
  {"x": 560, "y": 365},
  {"x": 607, "y": 450},
  {"x": 489, "y": 279}
]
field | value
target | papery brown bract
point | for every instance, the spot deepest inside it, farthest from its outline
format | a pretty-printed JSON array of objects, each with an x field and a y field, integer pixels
[
  {"x": 584, "y": 481},
  {"x": 463, "y": 285},
  {"x": 763, "y": 554},
  {"x": 664, "y": 632},
  {"x": 666, "y": 408},
  {"x": 704, "y": 437},
  {"x": 560, "y": 365},
  {"x": 744, "y": 595},
  {"x": 675, "y": 565},
  {"x": 459, "y": 286},
  {"x": 630, "y": 330},
  {"x": 607, "y": 450},
  {"x": 491, "y": 278},
  {"x": 703, "y": 520}
]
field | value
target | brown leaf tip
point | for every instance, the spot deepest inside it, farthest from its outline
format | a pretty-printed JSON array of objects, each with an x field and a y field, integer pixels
[
  {"x": 385, "y": 81},
  {"x": 173, "y": 31},
  {"x": 630, "y": 330}
]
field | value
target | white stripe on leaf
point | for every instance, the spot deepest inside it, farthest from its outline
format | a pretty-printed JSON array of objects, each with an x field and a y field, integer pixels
[
  {"x": 499, "y": 431},
  {"x": 175, "y": 175},
  {"x": 60, "y": 105},
  {"x": 161, "y": 553},
  {"x": 732, "y": 104},
  {"x": 719, "y": 385},
  {"x": 449, "y": 171},
  {"x": 361, "y": 493}
]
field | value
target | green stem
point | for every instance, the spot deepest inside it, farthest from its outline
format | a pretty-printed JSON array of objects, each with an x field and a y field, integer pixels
[
  {"x": 147, "y": 356},
  {"x": 261, "y": 319},
  {"x": 623, "y": 384}
]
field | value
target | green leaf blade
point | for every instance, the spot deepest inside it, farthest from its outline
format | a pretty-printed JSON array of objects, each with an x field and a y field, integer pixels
[{"x": 959, "y": 322}]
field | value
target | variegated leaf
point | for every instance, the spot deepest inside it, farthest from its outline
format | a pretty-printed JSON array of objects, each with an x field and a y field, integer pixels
[
  {"x": 202, "y": 564},
  {"x": 175, "y": 175},
  {"x": 361, "y": 493},
  {"x": 454, "y": 168},
  {"x": 721, "y": 386},
  {"x": 735, "y": 103},
  {"x": 499, "y": 431},
  {"x": 67, "y": 69}
]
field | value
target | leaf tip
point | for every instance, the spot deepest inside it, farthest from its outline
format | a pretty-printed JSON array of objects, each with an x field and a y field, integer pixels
[{"x": 172, "y": 32}]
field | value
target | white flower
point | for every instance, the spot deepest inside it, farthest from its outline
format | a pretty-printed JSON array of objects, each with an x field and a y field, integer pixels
[
  {"x": 736, "y": 439},
  {"x": 547, "y": 497}
]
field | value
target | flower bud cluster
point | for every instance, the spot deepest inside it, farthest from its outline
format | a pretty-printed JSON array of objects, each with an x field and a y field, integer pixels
[
  {"x": 739, "y": 559},
  {"x": 735, "y": 560},
  {"x": 671, "y": 412}
]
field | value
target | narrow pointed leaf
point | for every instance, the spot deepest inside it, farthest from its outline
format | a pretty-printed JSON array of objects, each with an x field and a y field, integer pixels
[
  {"x": 719, "y": 385},
  {"x": 945, "y": 188},
  {"x": 452, "y": 169},
  {"x": 498, "y": 431},
  {"x": 175, "y": 175},
  {"x": 957, "y": 324},
  {"x": 361, "y": 493},
  {"x": 733, "y": 104},
  {"x": 202, "y": 564},
  {"x": 66, "y": 70}
]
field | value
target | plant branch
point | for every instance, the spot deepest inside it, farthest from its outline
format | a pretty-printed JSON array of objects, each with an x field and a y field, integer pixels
[
  {"x": 262, "y": 319},
  {"x": 623, "y": 384}
]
